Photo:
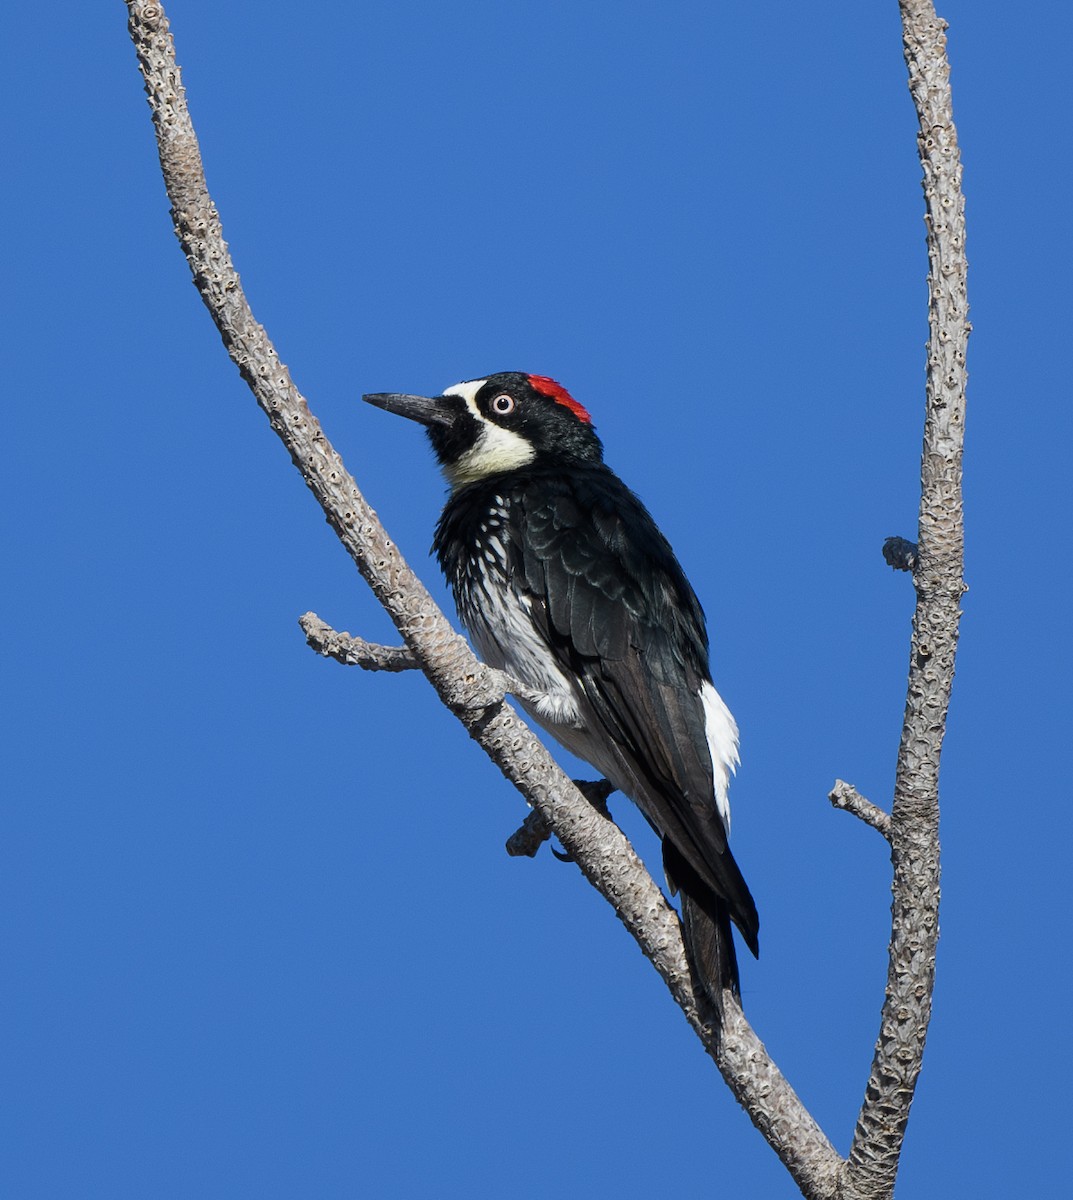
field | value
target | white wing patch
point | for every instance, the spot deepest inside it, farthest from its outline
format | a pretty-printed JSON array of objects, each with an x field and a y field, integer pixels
[{"x": 722, "y": 732}]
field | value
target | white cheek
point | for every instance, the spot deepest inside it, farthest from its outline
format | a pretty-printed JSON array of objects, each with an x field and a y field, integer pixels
[{"x": 495, "y": 451}]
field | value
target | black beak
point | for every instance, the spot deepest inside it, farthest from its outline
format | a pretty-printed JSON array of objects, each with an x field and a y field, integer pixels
[{"x": 427, "y": 410}]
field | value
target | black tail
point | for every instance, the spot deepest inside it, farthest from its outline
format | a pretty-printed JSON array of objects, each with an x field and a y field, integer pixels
[
  {"x": 713, "y": 963},
  {"x": 706, "y": 932}
]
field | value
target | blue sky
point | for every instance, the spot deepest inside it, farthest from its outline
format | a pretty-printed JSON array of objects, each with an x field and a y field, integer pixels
[{"x": 261, "y": 935}]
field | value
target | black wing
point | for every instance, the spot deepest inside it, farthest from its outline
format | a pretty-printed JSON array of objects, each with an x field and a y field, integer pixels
[{"x": 619, "y": 614}]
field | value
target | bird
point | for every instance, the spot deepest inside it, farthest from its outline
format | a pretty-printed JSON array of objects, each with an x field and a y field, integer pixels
[{"x": 564, "y": 582}]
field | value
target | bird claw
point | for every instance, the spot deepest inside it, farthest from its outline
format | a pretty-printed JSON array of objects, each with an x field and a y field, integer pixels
[
  {"x": 596, "y": 792},
  {"x": 527, "y": 840}
]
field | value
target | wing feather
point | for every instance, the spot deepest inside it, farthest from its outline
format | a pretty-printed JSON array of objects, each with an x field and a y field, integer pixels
[{"x": 619, "y": 615}]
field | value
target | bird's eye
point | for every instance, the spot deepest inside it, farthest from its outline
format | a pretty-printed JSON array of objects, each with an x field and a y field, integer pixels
[{"x": 503, "y": 404}]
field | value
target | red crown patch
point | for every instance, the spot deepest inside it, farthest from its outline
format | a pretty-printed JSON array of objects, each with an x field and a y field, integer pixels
[{"x": 556, "y": 391}]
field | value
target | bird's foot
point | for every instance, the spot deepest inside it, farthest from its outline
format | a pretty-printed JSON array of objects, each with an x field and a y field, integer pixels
[
  {"x": 535, "y": 831},
  {"x": 596, "y": 792}
]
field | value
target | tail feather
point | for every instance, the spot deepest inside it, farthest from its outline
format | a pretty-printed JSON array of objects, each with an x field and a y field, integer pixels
[
  {"x": 713, "y": 962},
  {"x": 707, "y": 935}
]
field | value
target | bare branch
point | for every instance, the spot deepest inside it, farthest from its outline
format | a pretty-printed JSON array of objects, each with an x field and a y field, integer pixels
[
  {"x": 846, "y": 797},
  {"x": 527, "y": 839},
  {"x": 534, "y": 831},
  {"x": 356, "y": 652},
  {"x": 353, "y": 651},
  {"x": 467, "y": 687},
  {"x": 877, "y": 1142}
]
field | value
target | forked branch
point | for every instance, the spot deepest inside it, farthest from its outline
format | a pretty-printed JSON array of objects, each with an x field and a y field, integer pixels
[{"x": 476, "y": 695}]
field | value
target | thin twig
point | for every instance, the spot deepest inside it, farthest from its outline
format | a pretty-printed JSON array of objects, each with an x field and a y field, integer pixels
[
  {"x": 527, "y": 839},
  {"x": 846, "y": 797},
  {"x": 354, "y": 651}
]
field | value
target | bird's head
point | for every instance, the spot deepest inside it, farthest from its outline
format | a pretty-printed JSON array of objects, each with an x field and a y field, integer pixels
[{"x": 489, "y": 426}]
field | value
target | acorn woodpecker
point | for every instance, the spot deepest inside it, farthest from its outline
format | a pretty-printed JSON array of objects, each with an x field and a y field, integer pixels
[{"x": 564, "y": 582}]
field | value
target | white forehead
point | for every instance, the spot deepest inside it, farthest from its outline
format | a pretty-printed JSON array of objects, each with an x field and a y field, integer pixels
[{"x": 467, "y": 390}]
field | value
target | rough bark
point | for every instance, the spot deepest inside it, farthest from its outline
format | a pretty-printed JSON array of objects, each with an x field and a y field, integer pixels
[
  {"x": 938, "y": 578},
  {"x": 476, "y": 695}
]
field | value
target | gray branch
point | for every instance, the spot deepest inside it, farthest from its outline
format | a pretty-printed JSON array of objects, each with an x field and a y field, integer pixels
[
  {"x": 469, "y": 689},
  {"x": 534, "y": 831},
  {"x": 527, "y": 839},
  {"x": 846, "y": 797},
  {"x": 354, "y": 651},
  {"x": 937, "y": 575}
]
